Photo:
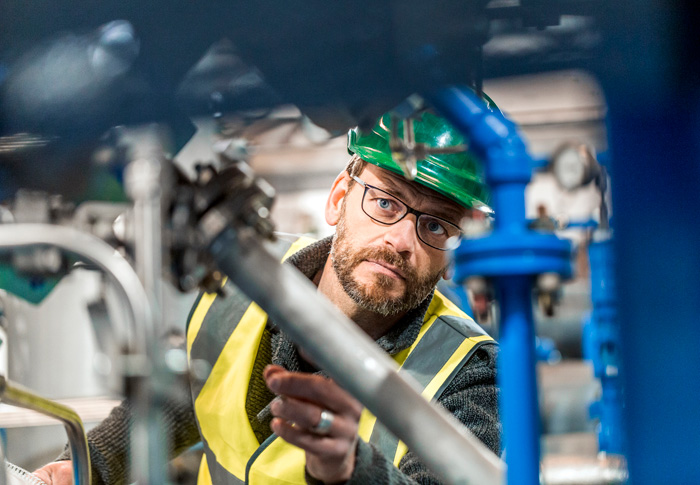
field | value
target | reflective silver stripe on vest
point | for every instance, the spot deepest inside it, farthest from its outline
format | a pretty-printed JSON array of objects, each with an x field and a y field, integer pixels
[
  {"x": 465, "y": 326},
  {"x": 219, "y": 475},
  {"x": 431, "y": 354}
]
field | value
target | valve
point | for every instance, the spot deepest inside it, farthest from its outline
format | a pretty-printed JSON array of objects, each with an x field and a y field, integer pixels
[
  {"x": 548, "y": 290},
  {"x": 574, "y": 165},
  {"x": 203, "y": 208},
  {"x": 481, "y": 297}
]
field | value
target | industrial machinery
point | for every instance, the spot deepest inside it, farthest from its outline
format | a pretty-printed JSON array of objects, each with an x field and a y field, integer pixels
[{"x": 95, "y": 100}]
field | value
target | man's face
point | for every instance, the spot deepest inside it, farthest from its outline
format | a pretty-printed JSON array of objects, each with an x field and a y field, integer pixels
[{"x": 387, "y": 269}]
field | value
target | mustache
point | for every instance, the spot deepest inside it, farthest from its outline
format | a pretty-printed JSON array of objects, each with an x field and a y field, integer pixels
[{"x": 388, "y": 256}]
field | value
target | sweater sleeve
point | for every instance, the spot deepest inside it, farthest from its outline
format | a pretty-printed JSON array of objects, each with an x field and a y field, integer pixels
[
  {"x": 472, "y": 397},
  {"x": 109, "y": 441}
]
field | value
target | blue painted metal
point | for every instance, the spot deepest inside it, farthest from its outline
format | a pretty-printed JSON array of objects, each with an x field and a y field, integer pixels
[
  {"x": 512, "y": 255},
  {"x": 655, "y": 147},
  {"x": 602, "y": 342},
  {"x": 517, "y": 380},
  {"x": 546, "y": 350},
  {"x": 517, "y": 251},
  {"x": 652, "y": 91}
]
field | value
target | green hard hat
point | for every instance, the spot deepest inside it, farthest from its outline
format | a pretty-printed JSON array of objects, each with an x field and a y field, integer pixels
[{"x": 458, "y": 176}]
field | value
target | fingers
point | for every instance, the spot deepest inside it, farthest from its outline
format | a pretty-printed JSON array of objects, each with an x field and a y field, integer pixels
[
  {"x": 330, "y": 454},
  {"x": 297, "y": 410},
  {"x": 306, "y": 416},
  {"x": 313, "y": 388},
  {"x": 329, "y": 446},
  {"x": 56, "y": 473}
]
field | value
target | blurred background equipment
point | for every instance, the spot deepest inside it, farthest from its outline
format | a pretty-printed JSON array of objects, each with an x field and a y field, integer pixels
[{"x": 98, "y": 108}]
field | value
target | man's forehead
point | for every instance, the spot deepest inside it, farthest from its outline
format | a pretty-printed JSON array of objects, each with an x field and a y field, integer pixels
[{"x": 413, "y": 191}]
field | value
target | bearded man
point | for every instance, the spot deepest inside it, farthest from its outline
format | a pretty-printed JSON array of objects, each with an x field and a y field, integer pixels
[{"x": 265, "y": 414}]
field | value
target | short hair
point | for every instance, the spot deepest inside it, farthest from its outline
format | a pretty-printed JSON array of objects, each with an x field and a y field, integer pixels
[{"x": 354, "y": 167}]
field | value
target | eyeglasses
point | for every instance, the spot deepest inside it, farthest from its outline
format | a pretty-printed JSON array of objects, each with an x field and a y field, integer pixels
[{"x": 386, "y": 209}]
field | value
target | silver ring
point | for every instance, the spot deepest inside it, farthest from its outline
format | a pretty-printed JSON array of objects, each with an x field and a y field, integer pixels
[{"x": 324, "y": 425}]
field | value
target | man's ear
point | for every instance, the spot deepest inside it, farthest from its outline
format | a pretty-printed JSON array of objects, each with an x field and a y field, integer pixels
[
  {"x": 449, "y": 272},
  {"x": 336, "y": 198}
]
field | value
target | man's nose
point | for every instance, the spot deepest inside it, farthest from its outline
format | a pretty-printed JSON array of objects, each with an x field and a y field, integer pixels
[{"x": 402, "y": 235}]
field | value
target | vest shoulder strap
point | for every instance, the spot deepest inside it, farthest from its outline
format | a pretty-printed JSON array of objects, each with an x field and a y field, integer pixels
[{"x": 445, "y": 344}]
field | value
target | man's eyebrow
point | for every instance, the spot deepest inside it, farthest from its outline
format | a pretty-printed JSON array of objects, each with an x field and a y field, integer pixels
[
  {"x": 393, "y": 188},
  {"x": 448, "y": 213},
  {"x": 442, "y": 208}
]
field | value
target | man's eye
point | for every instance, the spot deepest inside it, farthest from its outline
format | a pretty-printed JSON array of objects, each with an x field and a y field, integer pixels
[
  {"x": 435, "y": 228},
  {"x": 385, "y": 204}
]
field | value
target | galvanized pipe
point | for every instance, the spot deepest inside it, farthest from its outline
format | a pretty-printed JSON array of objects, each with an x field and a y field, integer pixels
[
  {"x": 143, "y": 181},
  {"x": 354, "y": 360},
  {"x": 17, "y": 396}
]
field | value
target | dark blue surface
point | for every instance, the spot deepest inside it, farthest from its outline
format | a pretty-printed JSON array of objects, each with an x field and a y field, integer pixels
[
  {"x": 657, "y": 213},
  {"x": 652, "y": 88}
]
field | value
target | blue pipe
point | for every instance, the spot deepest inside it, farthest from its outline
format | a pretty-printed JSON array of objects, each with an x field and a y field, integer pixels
[
  {"x": 602, "y": 346},
  {"x": 519, "y": 404},
  {"x": 512, "y": 255}
]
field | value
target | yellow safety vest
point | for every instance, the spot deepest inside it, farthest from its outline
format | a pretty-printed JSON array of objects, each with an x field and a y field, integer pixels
[{"x": 227, "y": 333}]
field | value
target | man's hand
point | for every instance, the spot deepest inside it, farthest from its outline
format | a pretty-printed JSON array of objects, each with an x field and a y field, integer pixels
[
  {"x": 330, "y": 455},
  {"x": 56, "y": 473}
]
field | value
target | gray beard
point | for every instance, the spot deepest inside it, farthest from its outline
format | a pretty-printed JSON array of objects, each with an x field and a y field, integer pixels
[{"x": 345, "y": 259}]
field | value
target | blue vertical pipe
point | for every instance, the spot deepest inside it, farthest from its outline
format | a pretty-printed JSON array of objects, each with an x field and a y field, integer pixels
[
  {"x": 602, "y": 347},
  {"x": 517, "y": 380},
  {"x": 512, "y": 254}
]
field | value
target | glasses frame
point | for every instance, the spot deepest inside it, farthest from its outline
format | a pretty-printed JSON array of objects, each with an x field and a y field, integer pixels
[{"x": 409, "y": 210}]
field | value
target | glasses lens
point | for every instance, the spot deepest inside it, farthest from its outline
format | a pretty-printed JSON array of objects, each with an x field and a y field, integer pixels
[
  {"x": 437, "y": 232},
  {"x": 381, "y": 206}
]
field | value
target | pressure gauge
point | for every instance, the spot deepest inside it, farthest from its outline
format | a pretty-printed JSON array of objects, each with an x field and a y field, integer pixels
[{"x": 574, "y": 166}]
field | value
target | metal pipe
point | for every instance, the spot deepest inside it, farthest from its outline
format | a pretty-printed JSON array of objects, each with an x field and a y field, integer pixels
[
  {"x": 603, "y": 344},
  {"x": 142, "y": 180},
  {"x": 517, "y": 380},
  {"x": 605, "y": 469},
  {"x": 80, "y": 454},
  {"x": 99, "y": 253},
  {"x": 354, "y": 360},
  {"x": 141, "y": 344},
  {"x": 144, "y": 184}
]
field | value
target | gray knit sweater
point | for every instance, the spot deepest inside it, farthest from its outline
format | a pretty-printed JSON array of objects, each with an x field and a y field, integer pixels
[{"x": 471, "y": 396}]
